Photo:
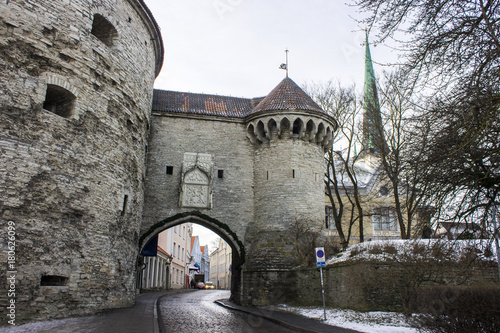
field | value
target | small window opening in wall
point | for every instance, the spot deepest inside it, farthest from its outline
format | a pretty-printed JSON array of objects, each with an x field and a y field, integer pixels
[
  {"x": 125, "y": 201},
  {"x": 267, "y": 175},
  {"x": 293, "y": 173},
  {"x": 103, "y": 30},
  {"x": 220, "y": 173},
  {"x": 53, "y": 280},
  {"x": 170, "y": 170},
  {"x": 59, "y": 101}
]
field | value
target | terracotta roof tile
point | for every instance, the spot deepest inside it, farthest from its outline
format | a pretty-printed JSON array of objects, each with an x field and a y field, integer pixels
[
  {"x": 287, "y": 96},
  {"x": 215, "y": 105}
]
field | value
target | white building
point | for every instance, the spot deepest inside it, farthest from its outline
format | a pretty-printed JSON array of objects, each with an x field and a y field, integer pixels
[
  {"x": 168, "y": 269},
  {"x": 220, "y": 265}
]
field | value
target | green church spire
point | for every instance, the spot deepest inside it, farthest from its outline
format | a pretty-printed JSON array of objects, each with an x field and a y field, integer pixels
[{"x": 372, "y": 119}]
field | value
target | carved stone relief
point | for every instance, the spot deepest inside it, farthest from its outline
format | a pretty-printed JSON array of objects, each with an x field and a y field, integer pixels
[{"x": 196, "y": 182}]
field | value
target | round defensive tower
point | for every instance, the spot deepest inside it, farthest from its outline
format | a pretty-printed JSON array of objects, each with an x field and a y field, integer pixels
[
  {"x": 77, "y": 83},
  {"x": 290, "y": 134}
]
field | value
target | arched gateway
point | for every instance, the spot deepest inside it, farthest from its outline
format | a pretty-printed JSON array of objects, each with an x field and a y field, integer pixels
[
  {"x": 252, "y": 169},
  {"x": 238, "y": 249}
]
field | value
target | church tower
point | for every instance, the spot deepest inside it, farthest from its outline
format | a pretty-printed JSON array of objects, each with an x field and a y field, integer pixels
[{"x": 373, "y": 136}]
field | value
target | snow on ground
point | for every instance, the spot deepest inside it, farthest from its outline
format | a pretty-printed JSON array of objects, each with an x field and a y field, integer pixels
[
  {"x": 391, "y": 249},
  {"x": 369, "y": 322}
]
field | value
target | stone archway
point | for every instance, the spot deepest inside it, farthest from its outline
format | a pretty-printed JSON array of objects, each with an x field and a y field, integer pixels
[{"x": 221, "y": 229}]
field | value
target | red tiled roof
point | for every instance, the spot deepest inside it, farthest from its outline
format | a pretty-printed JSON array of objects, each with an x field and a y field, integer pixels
[
  {"x": 287, "y": 96},
  {"x": 202, "y": 249},
  {"x": 214, "y": 105}
]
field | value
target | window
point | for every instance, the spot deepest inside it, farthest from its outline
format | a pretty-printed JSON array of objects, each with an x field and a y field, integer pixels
[
  {"x": 104, "y": 30},
  {"x": 384, "y": 219},
  {"x": 170, "y": 170},
  {"x": 174, "y": 251},
  {"x": 59, "y": 101},
  {"x": 182, "y": 254},
  {"x": 179, "y": 251},
  {"x": 220, "y": 173},
  {"x": 124, "y": 208},
  {"x": 53, "y": 280},
  {"x": 183, "y": 232},
  {"x": 329, "y": 221}
]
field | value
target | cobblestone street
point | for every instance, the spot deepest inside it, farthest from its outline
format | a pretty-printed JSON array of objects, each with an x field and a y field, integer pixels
[{"x": 195, "y": 311}]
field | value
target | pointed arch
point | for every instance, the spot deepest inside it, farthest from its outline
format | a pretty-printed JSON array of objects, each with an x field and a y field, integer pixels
[
  {"x": 261, "y": 131},
  {"x": 321, "y": 133},
  {"x": 298, "y": 128},
  {"x": 285, "y": 128},
  {"x": 272, "y": 126},
  {"x": 251, "y": 134},
  {"x": 310, "y": 130}
]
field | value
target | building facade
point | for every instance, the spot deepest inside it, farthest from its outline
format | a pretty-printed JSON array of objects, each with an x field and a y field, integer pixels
[
  {"x": 199, "y": 259},
  {"x": 220, "y": 265},
  {"x": 169, "y": 268}
]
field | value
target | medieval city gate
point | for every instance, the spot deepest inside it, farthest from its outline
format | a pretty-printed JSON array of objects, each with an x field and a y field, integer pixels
[
  {"x": 251, "y": 169},
  {"x": 89, "y": 169}
]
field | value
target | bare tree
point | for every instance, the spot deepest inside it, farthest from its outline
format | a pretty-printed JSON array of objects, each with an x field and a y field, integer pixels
[
  {"x": 342, "y": 184},
  {"x": 403, "y": 147},
  {"x": 452, "y": 48}
]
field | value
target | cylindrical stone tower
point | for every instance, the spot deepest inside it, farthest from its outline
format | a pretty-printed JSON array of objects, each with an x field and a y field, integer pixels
[
  {"x": 290, "y": 133},
  {"x": 77, "y": 81}
]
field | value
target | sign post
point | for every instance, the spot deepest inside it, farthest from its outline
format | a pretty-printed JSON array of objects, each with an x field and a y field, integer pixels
[{"x": 321, "y": 262}]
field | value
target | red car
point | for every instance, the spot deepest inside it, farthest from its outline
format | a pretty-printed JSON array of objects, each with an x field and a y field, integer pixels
[{"x": 200, "y": 285}]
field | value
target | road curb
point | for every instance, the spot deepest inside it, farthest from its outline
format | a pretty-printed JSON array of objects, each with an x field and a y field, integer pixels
[
  {"x": 257, "y": 314},
  {"x": 156, "y": 318}
]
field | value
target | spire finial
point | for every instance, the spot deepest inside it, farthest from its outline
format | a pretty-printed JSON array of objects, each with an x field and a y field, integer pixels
[{"x": 285, "y": 65}]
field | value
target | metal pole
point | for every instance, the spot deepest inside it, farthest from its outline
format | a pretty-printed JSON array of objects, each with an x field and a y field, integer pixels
[
  {"x": 322, "y": 291},
  {"x": 497, "y": 242}
]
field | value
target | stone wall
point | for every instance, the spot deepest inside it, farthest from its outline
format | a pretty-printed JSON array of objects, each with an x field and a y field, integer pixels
[
  {"x": 225, "y": 141},
  {"x": 72, "y": 181},
  {"x": 372, "y": 286}
]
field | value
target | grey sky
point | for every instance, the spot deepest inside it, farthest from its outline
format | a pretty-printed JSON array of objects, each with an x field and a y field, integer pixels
[{"x": 234, "y": 47}]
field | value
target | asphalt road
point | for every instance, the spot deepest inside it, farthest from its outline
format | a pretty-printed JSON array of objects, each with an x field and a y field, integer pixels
[{"x": 194, "y": 311}]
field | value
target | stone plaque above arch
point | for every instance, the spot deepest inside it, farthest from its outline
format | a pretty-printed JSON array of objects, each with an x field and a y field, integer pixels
[{"x": 196, "y": 181}]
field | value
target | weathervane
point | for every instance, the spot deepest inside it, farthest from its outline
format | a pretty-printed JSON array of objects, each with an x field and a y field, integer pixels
[{"x": 285, "y": 65}]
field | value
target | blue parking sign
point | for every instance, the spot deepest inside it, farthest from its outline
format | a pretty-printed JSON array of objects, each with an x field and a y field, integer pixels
[{"x": 320, "y": 257}]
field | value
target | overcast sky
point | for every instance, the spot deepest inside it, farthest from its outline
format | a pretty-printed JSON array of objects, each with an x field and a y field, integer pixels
[{"x": 235, "y": 47}]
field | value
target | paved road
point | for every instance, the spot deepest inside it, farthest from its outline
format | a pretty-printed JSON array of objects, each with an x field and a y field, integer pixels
[{"x": 194, "y": 311}]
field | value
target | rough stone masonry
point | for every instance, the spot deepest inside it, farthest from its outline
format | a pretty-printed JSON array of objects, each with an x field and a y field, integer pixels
[{"x": 90, "y": 171}]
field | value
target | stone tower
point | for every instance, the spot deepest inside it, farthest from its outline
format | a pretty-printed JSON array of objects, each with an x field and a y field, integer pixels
[
  {"x": 290, "y": 134},
  {"x": 77, "y": 83}
]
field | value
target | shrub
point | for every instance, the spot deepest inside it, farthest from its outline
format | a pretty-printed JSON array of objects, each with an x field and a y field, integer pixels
[
  {"x": 389, "y": 249},
  {"x": 375, "y": 250},
  {"x": 458, "y": 309}
]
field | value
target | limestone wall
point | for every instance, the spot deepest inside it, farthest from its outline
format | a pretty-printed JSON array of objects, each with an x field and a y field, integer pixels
[
  {"x": 231, "y": 155},
  {"x": 72, "y": 180}
]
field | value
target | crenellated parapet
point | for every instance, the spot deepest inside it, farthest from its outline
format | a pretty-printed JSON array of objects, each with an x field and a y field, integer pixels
[
  {"x": 305, "y": 127},
  {"x": 289, "y": 113}
]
